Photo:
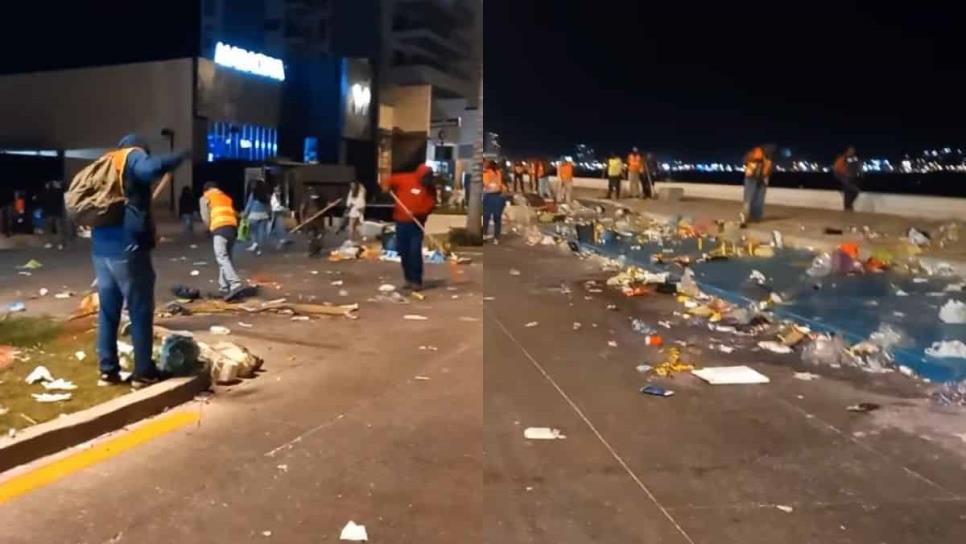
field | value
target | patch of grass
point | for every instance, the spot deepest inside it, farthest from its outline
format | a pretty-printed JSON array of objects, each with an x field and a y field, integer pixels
[
  {"x": 24, "y": 332},
  {"x": 53, "y": 344},
  {"x": 459, "y": 237}
]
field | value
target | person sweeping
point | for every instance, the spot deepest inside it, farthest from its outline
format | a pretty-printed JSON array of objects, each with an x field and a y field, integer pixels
[{"x": 415, "y": 197}]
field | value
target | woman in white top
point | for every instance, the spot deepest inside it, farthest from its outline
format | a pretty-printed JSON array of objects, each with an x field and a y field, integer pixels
[{"x": 355, "y": 208}]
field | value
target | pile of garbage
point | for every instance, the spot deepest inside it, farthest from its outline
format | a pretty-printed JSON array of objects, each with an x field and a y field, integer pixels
[{"x": 674, "y": 246}]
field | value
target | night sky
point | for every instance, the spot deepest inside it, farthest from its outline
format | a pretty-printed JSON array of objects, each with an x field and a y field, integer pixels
[{"x": 710, "y": 79}]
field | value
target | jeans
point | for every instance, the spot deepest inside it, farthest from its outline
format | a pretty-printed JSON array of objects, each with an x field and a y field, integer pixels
[
  {"x": 635, "y": 187},
  {"x": 493, "y": 204},
  {"x": 754, "y": 207},
  {"x": 259, "y": 230},
  {"x": 188, "y": 224},
  {"x": 544, "y": 188},
  {"x": 566, "y": 191},
  {"x": 614, "y": 186},
  {"x": 227, "y": 276},
  {"x": 409, "y": 244},
  {"x": 850, "y": 192},
  {"x": 127, "y": 279},
  {"x": 517, "y": 183},
  {"x": 55, "y": 227}
]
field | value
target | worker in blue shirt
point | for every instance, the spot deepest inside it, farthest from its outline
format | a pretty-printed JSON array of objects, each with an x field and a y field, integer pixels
[{"x": 122, "y": 263}]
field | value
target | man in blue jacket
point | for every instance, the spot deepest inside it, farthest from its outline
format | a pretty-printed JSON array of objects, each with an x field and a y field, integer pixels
[{"x": 122, "y": 263}]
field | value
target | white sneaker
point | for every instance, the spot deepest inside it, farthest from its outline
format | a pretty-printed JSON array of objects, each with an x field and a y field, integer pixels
[
  {"x": 253, "y": 247},
  {"x": 496, "y": 241}
]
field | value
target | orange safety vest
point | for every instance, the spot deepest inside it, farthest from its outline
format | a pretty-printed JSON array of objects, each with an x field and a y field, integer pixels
[
  {"x": 566, "y": 171},
  {"x": 492, "y": 181},
  {"x": 221, "y": 211},
  {"x": 757, "y": 165},
  {"x": 119, "y": 159},
  {"x": 634, "y": 163}
]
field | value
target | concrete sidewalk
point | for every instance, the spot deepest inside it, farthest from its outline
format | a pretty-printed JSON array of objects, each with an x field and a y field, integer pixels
[{"x": 801, "y": 227}]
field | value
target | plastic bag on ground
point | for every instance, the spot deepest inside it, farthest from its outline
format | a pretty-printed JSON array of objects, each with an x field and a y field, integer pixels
[
  {"x": 821, "y": 266},
  {"x": 918, "y": 237},
  {"x": 687, "y": 285},
  {"x": 179, "y": 355},
  {"x": 953, "y": 312},
  {"x": 825, "y": 351},
  {"x": 953, "y": 349}
]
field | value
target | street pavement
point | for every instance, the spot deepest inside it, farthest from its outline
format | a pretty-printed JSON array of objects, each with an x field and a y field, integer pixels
[
  {"x": 351, "y": 420},
  {"x": 783, "y": 462},
  {"x": 343, "y": 426}
]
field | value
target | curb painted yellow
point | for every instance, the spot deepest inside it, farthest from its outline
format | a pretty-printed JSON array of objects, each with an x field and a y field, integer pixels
[{"x": 65, "y": 466}]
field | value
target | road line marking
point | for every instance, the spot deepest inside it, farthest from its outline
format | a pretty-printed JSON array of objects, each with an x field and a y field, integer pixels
[
  {"x": 865, "y": 447},
  {"x": 289, "y": 444},
  {"x": 100, "y": 451},
  {"x": 613, "y": 452}
]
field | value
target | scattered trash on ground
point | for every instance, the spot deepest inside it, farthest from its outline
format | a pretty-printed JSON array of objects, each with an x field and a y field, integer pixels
[
  {"x": 415, "y": 317},
  {"x": 774, "y": 347},
  {"x": 950, "y": 394},
  {"x": 38, "y": 374},
  {"x": 783, "y": 508},
  {"x": 863, "y": 407},
  {"x": 514, "y": 272},
  {"x": 542, "y": 433},
  {"x": 354, "y": 533},
  {"x": 422, "y": 378},
  {"x": 612, "y": 343},
  {"x": 656, "y": 391},
  {"x": 32, "y": 264},
  {"x": 428, "y": 348},
  {"x": 806, "y": 376},
  {"x": 51, "y": 397},
  {"x": 15, "y": 307},
  {"x": 730, "y": 375},
  {"x": 531, "y": 324},
  {"x": 59, "y": 384},
  {"x": 219, "y": 330},
  {"x": 953, "y": 312},
  {"x": 953, "y": 349},
  {"x": 80, "y": 355}
]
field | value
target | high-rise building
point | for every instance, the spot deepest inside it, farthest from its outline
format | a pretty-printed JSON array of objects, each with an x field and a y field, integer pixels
[
  {"x": 348, "y": 28},
  {"x": 433, "y": 42}
]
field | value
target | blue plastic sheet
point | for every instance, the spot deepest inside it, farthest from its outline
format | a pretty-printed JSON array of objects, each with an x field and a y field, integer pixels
[{"x": 852, "y": 306}]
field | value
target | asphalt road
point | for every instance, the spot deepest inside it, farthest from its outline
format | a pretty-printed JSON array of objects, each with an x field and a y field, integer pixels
[
  {"x": 710, "y": 464},
  {"x": 339, "y": 427},
  {"x": 350, "y": 421}
]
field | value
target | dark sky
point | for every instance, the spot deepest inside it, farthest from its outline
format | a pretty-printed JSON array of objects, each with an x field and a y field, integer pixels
[{"x": 710, "y": 79}]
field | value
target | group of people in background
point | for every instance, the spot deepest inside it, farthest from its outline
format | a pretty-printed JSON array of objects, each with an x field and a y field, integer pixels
[
  {"x": 639, "y": 169},
  {"x": 759, "y": 165}
]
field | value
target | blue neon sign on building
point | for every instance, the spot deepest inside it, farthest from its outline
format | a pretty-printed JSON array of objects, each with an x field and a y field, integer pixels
[{"x": 247, "y": 61}]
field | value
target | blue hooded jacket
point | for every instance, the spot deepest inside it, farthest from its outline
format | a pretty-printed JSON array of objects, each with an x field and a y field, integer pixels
[{"x": 137, "y": 232}]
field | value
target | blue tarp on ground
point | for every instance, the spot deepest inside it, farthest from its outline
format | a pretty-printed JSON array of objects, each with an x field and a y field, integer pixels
[{"x": 853, "y": 306}]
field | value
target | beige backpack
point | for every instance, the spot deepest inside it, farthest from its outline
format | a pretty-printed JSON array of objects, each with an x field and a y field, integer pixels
[{"x": 95, "y": 196}]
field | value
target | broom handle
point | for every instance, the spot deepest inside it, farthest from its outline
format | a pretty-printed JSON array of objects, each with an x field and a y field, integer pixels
[
  {"x": 315, "y": 216},
  {"x": 420, "y": 225}
]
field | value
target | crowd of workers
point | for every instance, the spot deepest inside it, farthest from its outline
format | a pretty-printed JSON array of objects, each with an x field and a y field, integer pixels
[
  {"x": 640, "y": 170},
  {"x": 122, "y": 243}
]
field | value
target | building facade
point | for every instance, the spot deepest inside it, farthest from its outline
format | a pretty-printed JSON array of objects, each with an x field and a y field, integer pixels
[{"x": 227, "y": 103}]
